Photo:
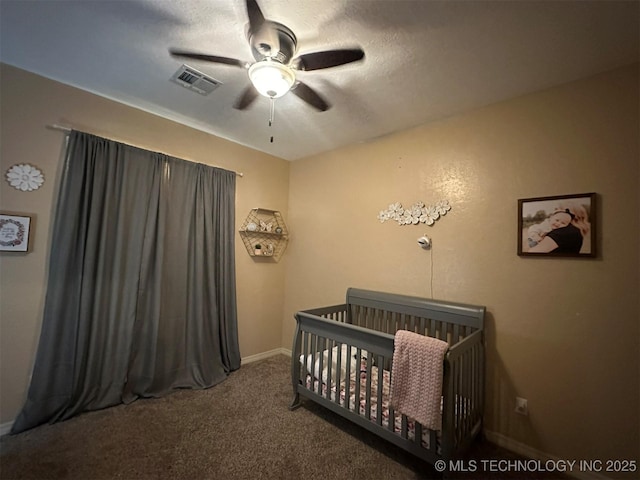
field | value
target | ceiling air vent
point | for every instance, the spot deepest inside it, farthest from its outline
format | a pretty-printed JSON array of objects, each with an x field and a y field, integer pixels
[{"x": 190, "y": 78}]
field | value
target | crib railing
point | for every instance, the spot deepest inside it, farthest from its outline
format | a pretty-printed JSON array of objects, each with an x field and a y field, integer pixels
[
  {"x": 463, "y": 393},
  {"x": 389, "y": 312},
  {"x": 370, "y": 328},
  {"x": 317, "y": 334}
]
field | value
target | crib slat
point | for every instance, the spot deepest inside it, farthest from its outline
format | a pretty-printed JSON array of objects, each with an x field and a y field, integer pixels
[
  {"x": 305, "y": 348},
  {"x": 462, "y": 395},
  {"x": 411, "y": 323},
  {"x": 477, "y": 375},
  {"x": 357, "y": 376},
  {"x": 417, "y": 433},
  {"x": 347, "y": 383},
  {"x": 455, "y": 337},
  {"x": 328, "y": 383},
  {"x": 433, "y": 441},
  {"x": 338, "y": 373},
  {"x": 392, "y": 419},
  {"x": 367, "y": 403},
  {"x": 404, "y": 431},
  {"x": 319, "y": 362},
  {"x": 470, "y": 394},
  {"x": 460, "y": 399},
  {"x": 456, "y": 400},
  {"x": 467, "y": 390},
  {"x": 443, "y": 331},
  {"x": 423, "y": 327},
  {"x": 388, "y": 319},
  {"x": 379, "y": 398},
  {"x": 312, "y": 354},
  {"x": 362, "y": 317}
]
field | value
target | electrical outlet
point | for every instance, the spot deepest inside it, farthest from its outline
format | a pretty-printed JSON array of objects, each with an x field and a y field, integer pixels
[{"x": 521, "y": 406}]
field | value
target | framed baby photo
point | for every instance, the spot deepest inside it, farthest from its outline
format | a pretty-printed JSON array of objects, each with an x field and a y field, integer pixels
[
  {"x": 14, "y": 233},
  {"x": 560, "y": 226}
]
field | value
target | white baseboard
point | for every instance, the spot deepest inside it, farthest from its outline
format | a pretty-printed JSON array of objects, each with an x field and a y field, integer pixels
[
  {"x": 263, "y": 355},
  {"x": 529, "y": 452}
]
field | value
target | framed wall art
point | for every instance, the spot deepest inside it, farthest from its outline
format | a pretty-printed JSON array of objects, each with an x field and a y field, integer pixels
[
  {"x": 560, "y": 226},
  {"x": 14, "y": 233}
]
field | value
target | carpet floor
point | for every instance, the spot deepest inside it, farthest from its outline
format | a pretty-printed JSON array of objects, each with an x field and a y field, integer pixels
[{"x": 239, "y": 429}]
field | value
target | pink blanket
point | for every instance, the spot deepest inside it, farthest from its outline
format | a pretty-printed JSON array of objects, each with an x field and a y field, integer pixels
[{"x": 416, "y": 377}]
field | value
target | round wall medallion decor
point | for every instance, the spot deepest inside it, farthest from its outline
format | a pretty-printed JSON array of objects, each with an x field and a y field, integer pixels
[{"x": 25, "y": 177}]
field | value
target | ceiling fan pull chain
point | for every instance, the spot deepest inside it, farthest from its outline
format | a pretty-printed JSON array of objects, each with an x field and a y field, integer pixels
[{"x": 271, "y": 113}]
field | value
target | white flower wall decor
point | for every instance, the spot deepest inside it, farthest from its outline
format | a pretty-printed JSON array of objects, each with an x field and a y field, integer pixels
[
  {"x": 416, "y": 214},
  {"x": 25, "y": 177}
]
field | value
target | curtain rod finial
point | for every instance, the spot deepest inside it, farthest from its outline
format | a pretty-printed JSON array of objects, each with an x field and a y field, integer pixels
[{"x": 62, "y": 128}]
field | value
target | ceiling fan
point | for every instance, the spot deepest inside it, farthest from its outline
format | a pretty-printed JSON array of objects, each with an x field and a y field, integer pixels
[{"x": 273, "y": 74}]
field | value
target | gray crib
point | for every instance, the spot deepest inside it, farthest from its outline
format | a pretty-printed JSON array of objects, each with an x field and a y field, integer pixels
[{"x": 342, "y": 354}]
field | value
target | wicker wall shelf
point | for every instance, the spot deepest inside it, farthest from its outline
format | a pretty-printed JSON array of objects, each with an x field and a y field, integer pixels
[{"x": 266, "y": 229}]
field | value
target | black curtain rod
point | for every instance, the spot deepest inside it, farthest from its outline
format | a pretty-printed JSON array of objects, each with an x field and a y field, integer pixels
[{"x": 62, "y": 128}]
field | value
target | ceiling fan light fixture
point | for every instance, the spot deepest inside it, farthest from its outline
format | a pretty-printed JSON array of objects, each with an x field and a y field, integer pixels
[{"x": 271, "y": 79}]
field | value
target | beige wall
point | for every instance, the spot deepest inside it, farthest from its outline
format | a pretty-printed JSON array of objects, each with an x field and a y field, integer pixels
[
  {"x": 562, "y": 333},
  {"x": 29, "y": 103}
]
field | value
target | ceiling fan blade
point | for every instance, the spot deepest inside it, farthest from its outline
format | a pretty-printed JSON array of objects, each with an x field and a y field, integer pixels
[
  {"x": 208, "y": 58},
  {"x": 328, "y": 59},
  {"x": 264, "y": 35},
  {"x": 256, "y": 18},
  {"x": 246, "y": 99},
  {"x": 310, "y": 96}
]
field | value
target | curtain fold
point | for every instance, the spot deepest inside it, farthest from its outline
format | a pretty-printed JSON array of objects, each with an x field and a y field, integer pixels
[{"x": 141, "y": 292}]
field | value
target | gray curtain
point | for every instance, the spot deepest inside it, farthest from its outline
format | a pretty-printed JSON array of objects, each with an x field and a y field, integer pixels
[{"x": 141, "y": 295}]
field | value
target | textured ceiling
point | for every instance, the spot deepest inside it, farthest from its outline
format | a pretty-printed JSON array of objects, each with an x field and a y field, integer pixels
[{"x": 425, "y": 60}]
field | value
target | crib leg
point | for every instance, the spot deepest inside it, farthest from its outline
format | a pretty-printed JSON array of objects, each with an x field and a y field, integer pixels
[{"x": 295, "y": 402}]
